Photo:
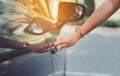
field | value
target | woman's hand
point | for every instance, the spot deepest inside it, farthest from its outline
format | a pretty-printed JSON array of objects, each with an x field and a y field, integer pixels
[{"x": 67, "y": 41}]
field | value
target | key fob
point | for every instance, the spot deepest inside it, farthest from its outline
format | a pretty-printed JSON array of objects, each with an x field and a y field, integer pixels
[{"x": 53, "y": 49}]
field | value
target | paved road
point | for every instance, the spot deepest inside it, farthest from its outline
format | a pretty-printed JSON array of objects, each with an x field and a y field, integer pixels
[{"x": 97, "y": 54}]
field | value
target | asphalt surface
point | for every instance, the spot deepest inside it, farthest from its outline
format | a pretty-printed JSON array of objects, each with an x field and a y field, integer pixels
[{"x": 97, "y": 54}]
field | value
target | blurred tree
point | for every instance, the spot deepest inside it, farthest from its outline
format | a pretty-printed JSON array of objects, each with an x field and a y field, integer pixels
[
  {"x": 76, "y": 1},
  {"x": 90, "y": 7}
]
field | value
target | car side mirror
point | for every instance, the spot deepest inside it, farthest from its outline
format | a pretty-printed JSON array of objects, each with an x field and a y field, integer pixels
[
  {"x": 39, "y": 25},
  {"x": 71, "y": 12},
  {"x": 67, "y": 12}
]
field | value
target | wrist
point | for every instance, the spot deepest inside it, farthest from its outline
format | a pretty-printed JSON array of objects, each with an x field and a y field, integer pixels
[{"x": 79, "y": 32}]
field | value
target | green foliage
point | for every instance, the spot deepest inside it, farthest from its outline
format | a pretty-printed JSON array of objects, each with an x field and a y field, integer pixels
[
  {"x": 111, "y": 23},
  {"x": 108, "y": 23}
]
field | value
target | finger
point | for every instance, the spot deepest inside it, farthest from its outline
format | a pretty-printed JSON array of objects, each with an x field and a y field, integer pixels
[
  {"x": 47, "y": 45},
  {"x": 59, "y": 42},
  {"x": 61, "y": 46},
  {"x": 46, "y": 50}
]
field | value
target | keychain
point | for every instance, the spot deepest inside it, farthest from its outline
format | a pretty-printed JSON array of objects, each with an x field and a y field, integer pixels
[{"x": 53, "y": 49}]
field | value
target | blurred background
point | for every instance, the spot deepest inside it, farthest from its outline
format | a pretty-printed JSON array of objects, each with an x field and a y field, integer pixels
[
  {"x": 13, "y": 13},
  {"x": 95, "y": 55}
]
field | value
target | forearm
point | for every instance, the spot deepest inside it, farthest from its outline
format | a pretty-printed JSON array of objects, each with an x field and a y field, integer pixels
[
  {"x": 38, "y": 48},
  {"x": 100, "y": 15},
  {"x": 7, "y": 43}
]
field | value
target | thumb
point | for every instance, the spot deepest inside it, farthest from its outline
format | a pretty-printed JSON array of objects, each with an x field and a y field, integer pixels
[{"x": 61, "y": 46}]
